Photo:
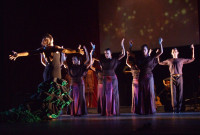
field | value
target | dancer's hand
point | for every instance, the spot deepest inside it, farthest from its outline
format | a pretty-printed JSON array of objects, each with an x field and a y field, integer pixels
[
  {"x": 157, "y": 50},
  {"x": 81, "y": 51},
  {"x": 130, "y": 43},
  {"x": 150, "y": 51},
  {"x": 128, "y": 54},
  {"x": 13, "y": 56},
  {"x": 192, "y": 46},
  {"x": 93, "y": 46},
  {"x": 160, "y": 41}
]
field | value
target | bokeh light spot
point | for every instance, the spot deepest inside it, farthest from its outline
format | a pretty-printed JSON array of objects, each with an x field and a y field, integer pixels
[
  {"x": 183, "y": 11},
  {"x": 141, "y": 32},
  {"x": 170, "y": 1},
  {"x": 118, "y": 9},
  {"x": 166, "y": 13},
  {"x": 166, "y": 21}
]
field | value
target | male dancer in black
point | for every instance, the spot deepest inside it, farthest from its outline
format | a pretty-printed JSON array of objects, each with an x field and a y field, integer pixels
[{"x": 175, "y": 67}]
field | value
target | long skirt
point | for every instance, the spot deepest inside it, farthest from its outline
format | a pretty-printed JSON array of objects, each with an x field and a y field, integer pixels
[
  {"x": 146, "y": 95},
  {"x": 78, "y": 106},
  {"x": 135, "y": 88},
  {"x": 110, "y": 96}
]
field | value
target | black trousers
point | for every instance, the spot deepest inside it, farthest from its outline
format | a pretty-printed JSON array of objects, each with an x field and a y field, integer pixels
[{"x": 176, "y": 92}]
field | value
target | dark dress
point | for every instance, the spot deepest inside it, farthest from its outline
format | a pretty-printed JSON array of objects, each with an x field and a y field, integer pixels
[
  {"x": 110, "y": 95},
  {"x": 52, "y": 94},
  {"x": 52, "y": 57},
  {"x": 78, "y": 106},
  {"x": 146, "y": 95}
]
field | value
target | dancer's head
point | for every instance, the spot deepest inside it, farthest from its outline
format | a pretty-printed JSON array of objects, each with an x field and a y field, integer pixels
[
  {"x": 47, "y": 40},
  {"x": 145, "y": 50},
  {"x": 175, "y": 53},
  {"x": 76, "y": 60},
  {"x": 108, "y": 53}
]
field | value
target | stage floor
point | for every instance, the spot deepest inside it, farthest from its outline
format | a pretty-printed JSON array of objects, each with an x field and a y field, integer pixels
[{"x": 126, "y": 123}]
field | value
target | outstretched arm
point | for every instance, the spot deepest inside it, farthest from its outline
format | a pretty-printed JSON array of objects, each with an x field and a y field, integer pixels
[
  {"x": 123, "y": 50},
  {"x": 70, "y": 51},
  {"x": 15, "y": 55},
  {"x": 161, "y": 48}
]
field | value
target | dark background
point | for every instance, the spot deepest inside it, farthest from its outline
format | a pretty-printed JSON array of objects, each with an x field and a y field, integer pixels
[{"x": 71, "y": 23}]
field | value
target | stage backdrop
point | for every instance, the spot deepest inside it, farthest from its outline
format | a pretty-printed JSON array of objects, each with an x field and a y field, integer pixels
[{"x": 144, "y": 21}]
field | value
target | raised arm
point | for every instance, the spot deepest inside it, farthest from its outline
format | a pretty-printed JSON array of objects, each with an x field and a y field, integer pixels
[
  {"x": 187, "y": 61},
  {"x": 161, "y": 48},
  {"x": 192, "y": 47},
  {"x": 91, "y": 52},
  {"x": 86, "y": 54},
  {"x": 127, "y": 60},
  {"x": 123, "y": 50}
]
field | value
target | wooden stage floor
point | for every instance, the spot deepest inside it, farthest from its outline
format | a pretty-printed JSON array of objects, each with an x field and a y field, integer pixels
[{"x": 126, "y": 123}]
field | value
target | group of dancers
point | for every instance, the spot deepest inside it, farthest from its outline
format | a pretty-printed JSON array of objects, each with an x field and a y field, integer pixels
[{"x": 143, "y": 96}]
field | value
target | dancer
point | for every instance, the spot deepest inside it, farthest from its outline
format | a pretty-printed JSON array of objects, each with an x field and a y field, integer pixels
[
  {"x": 135, "y": 85},
  {"x": 146, "y": 95},
  {"x": 76, "y": 71},
  {"x": 99, "y": 75},
  {"x": 50, "y": 57},
  {"x": 110, "y": 96},
  {"x": 135, "y": 73},
  {"x": 176, "y": 77},
  {"x": 53, "y": 93}
]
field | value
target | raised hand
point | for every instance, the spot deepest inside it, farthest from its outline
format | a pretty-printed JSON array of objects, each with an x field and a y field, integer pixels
[
  {"x": 157, "y": 50},
  {"x": 192, "y": 46},
  {"x": 130, "y": 43},
  {"x": 160, "y": 41},
  {"x": 81, "y": 51},
  {"x": 13, "y": 56},
  {"x": 150, "y": 51},
  {"x": 93, "y": 46},
  {"x": 128, "y": 54}
]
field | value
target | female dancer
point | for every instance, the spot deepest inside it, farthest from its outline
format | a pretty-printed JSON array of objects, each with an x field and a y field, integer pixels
[
  {"x": 99, "y": 75},
  {"x": 76, "y": 71},
  {"x": 50, "y": 57},
  {"x": 135, "y": 73},
  {"x": 110, "y": 96},
  {"x": 146, "y": 96},
  {"x": 135, "y": 84},
  {"x": 52, "y": 94}
]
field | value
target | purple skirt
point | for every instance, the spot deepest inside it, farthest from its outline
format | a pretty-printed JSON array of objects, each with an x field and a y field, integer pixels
[
  {"x": 135, "y": 88},
  {"x": 99, "y": 97},
  {"x": 78, "y": 106},
  {"x": 110, "y": 97},
  {"x": 146, "y": 96}
]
